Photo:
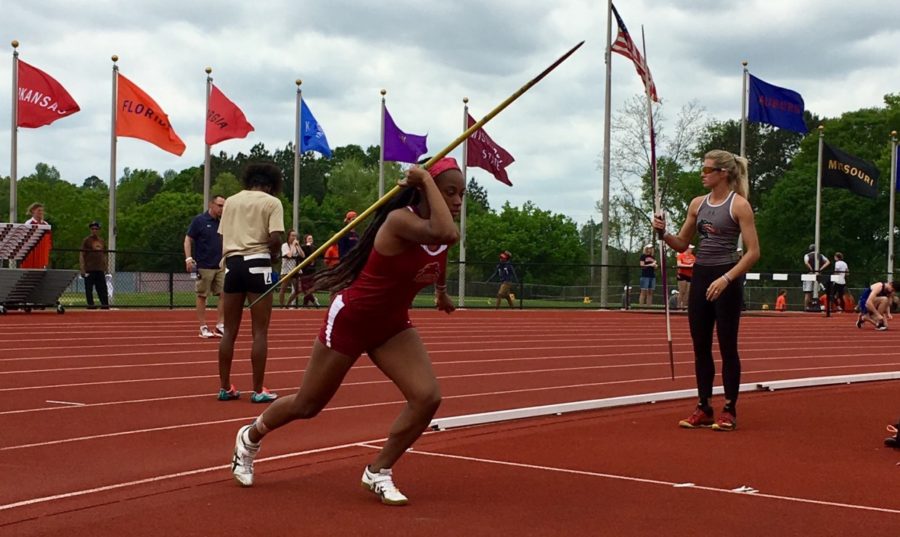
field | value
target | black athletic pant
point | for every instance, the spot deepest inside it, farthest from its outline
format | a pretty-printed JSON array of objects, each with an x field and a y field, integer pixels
[
  {"x": 724, "y": 314},
  {"x": 95, "y": 278}
]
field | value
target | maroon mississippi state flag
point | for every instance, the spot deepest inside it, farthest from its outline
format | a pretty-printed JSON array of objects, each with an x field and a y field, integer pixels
[
  {"x": 484, "y": 153},
  {"x": 41, "y": 100},
  {"x": 224, "y": 120}
]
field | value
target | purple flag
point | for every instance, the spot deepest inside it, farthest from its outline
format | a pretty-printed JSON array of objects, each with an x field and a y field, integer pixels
[{"x": 399, "y": 146}]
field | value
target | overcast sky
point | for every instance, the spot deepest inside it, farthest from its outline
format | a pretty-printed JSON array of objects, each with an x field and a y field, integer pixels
[{"x": 428, "y": 55}]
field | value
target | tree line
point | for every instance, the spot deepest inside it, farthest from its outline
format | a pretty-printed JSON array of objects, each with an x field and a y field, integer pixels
[{"x": 155, "y": 209}]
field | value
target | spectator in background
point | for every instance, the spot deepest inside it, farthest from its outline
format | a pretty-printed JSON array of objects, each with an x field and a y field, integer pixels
[
  {"x": 332, "y": 256},
  {"x": 648, "y": 275},
  {"x": 809, "y": 287},
  {"x": 291, "y": 254},
  {"x": 841, "y": 270},
  {"x": 781, "y": 301},
  {"x": 93, "y": 263},
  {"x": 203, "y": 240},
  {"x": 348, "y": 241},
  {"x": 506, "y": 273},
  {"x": 39, "y": 256},
  {"x": 685, "y": 263},
  {"x": 306, "y": 281}
]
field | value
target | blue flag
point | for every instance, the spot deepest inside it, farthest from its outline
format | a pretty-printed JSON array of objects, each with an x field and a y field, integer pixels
[
  {"x": 312, "y": 137},
  {"x": 897, "y": 171},
  {"x": 776, "y": 106},
  {"x": 400, "y": 146}
]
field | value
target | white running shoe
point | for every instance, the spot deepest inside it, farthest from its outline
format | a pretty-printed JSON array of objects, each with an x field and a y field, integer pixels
[
  {"x": 220, "y": 330},
  {"x": 242, "y": 460},
  {"x": 382, "y": 484},
  {"x": 205, "y": 333}
]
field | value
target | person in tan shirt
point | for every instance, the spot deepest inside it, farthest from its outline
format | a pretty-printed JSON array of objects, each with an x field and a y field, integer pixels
[{"x": 251, "y": 227}]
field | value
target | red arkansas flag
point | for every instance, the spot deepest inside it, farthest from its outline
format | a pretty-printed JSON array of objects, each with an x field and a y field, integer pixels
[
  {"x": 224, "y": 120},
  {"x": 138, "y": 116},
  {"x": 42, "y": 100},
  {"x": 483, "y": 153}
]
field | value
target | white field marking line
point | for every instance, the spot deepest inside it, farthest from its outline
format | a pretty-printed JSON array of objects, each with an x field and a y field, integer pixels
[
  {"x": 454, "y": 351},
  {"x": 647, "y": 481},
  {"x": 486, "y": 374},
  {"x": 747, "y": 343},
  {"x": 345, "y": 407},
  {"x": 70, "y": 403},
  {"x": 166, "y": 477},
  {"x": 304, "y": 350}
]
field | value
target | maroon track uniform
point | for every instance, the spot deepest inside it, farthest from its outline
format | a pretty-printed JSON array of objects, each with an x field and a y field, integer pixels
[{"x": 375, "y": 307}]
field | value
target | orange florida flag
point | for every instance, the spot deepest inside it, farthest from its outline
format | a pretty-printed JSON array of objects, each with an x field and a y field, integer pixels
[
  {"x": 138, "y": 116},
  {"x": 224, "y": 120}
]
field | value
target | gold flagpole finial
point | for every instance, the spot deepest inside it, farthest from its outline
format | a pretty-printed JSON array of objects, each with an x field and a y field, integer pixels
[
  {"x": 465, "y": 100},
  {"x": 893, "y": 134},
  {"x": 383, "y": 92},
  {"x": 115, "y": 58},
  {"x": 208, "y": 70},
  {"x": 744, "y": 63},
  {"x": 298, "y": 82},
  {"x": 15, "y": 44},
  {"x": 821, "y": 129}
]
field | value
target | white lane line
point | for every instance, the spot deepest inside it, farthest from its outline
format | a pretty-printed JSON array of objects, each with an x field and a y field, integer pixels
[
  {"x": 743, "y": 490},
  {"x": 159, "y": 478},
  {"x": 70, "y": 403}
]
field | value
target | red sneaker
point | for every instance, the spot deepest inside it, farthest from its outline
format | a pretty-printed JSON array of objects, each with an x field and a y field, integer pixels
[
  {"x": 726, "y": 422},
  {"x": 698, "y": 419}
]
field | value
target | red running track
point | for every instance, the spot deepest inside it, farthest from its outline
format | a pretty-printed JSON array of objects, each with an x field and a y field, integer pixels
[{"x": 110, "y": 416}]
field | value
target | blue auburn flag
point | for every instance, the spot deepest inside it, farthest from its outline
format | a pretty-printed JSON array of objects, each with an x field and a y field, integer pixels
[
  {"x": 312, "y": 137},
  {"x": 843, "y": 170},
  {"x": 776, "y": 106},
  {"x": 897, "y": 160}
]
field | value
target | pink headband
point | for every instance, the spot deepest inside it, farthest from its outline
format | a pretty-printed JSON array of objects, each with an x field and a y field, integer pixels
[{"x": 439, "y": 167}]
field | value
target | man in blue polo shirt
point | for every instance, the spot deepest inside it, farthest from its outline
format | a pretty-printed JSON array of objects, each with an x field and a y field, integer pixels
[{"x": 204, "y": 239}]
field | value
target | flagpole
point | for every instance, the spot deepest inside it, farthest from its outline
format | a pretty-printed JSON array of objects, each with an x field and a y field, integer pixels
[
  {"x": 604, "y": 232},
  {"x": 461, "y": 295},
  {"x": 744, "y": 111},
  {"x": 111, "y": 232},
  {"x": 14, "y": 137},
  {"x": 818, "y": 208},
  {"x": 381, "y": 151},
  {"x": 296, "y": 211},
  {"x": 436, "y": 157},
  {"x": 206, "y": 159},
  {"x": 893, "y": 187}
]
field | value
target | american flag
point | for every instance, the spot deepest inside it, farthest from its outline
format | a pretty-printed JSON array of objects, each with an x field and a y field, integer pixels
[{"x": 626, "y": 47}]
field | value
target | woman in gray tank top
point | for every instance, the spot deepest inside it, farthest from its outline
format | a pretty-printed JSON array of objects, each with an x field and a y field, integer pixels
[{"x": 718, "y": 218}]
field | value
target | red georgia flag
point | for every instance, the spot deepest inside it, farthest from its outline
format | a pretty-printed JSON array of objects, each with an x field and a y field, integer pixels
[
  {"x": 42, "y": 100},
  {"x": 483, "y": 153},
  {"x": 138, "y": 116},
  {"x": 224, "y": 120}
]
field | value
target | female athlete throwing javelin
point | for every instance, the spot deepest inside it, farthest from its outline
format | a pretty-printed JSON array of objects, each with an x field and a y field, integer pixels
[
  {"x": 717, "y": 282},
  {"x": 403, "y": 250}
]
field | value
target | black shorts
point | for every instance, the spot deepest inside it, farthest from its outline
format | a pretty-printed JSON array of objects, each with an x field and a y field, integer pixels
[
  {"x": 683, "y": 278},
  {"x": 248, "y": 273}
]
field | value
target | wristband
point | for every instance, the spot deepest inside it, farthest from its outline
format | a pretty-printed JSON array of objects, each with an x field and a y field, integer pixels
[
  {"x": 188, "y": 259},
  {"x": 440, "y": 287},
  {"x": 727, "y": 279}
]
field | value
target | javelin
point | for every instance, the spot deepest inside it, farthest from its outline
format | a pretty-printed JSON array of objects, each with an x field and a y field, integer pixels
[
  {"x": 438, "y": 156},
  {"x": 657, "y": 199}
]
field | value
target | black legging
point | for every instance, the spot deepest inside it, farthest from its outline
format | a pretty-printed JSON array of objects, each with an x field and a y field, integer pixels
[{"x": 725, "y": 314}]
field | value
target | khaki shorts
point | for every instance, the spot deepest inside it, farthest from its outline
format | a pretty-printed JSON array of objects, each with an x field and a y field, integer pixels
[
  {"x": 210, "y": 282},
  {"x": 504, "y": 291}
]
